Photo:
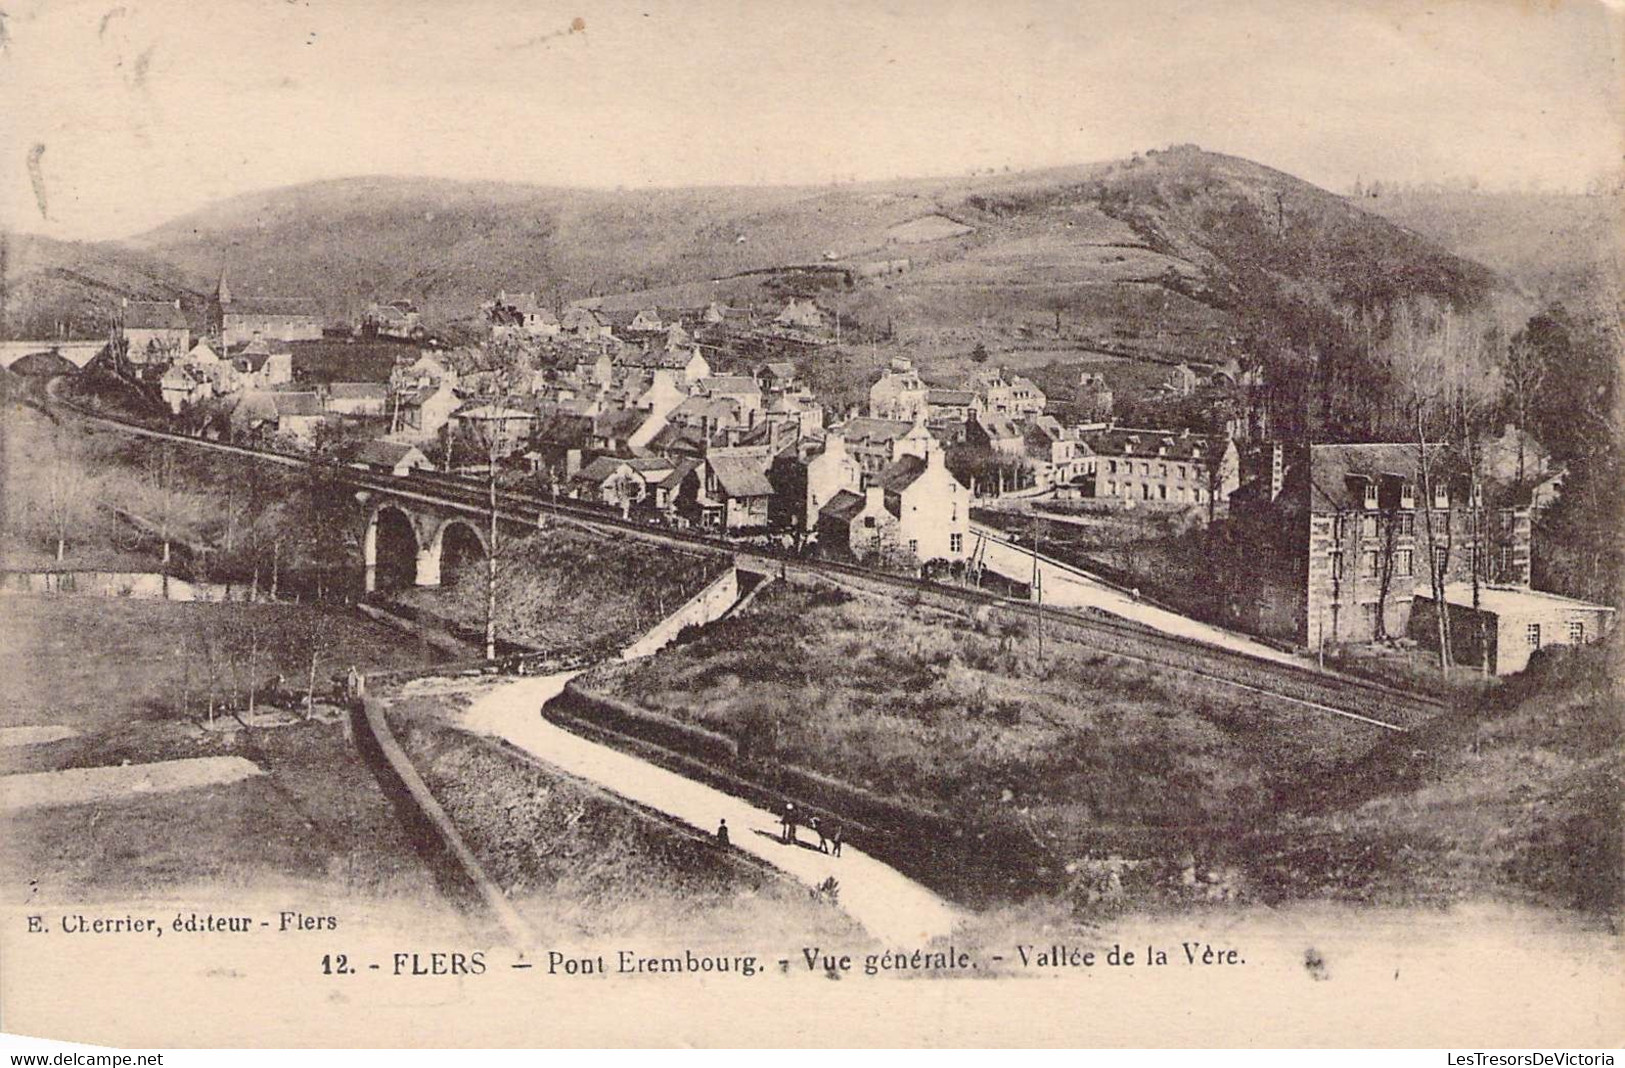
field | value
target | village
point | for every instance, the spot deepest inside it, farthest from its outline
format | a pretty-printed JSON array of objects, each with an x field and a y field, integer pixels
[{"x": 703, "y": 419}]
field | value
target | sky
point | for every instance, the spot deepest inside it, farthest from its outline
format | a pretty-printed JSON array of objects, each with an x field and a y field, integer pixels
[{"x": 118, "y": 115}]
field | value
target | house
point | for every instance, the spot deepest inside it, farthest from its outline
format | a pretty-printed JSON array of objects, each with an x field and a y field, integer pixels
[
  {"x": 646, "y": 321},
  {"x": 932, "y": 508},
  {"x": 395, "y": 457},
  {"x": 996, "y": 433},
  {"x": 397, "y": 319},
  {"x": 1329, "y": 543},
  {"x": 520, "y": 315},
  {"x": 740, "y": 388},
  {"x": 709, "y": 416},
  {"x": 686, "y": 360},
  {"x": 154, "y": 326},
  {"x": 625, "y": 431},
  {"x": 291, "y": 415},
  {"x": 1180, "y": 381},
  {"x": 1165, "y": 466},
  {"x": 858, "y": 525},
  {"x": 357, "y": 398},
  {"x": 418, "y": 413},
  {"x": 899, "y": 393},
  {"x": 1506, "y": 624},
  {"x": 731, "y": 494},
  {"x": 260, "y": 365},
  {"x": 776, "y": 376},
  {"x": 877, "y": 443},
  {"x": 801, "y": 314},
  {"x": 238, "y": 319},
  {"x": 1094, "y": 400},
  {"x": 798, "y": 407},
  {"x": 828, "y": 473},
  {"x": 584, "y": 323},
  {"x": 486, "y": 425},
  {"x": 624, "y": 482},
  {"x": 1056, "y": 455},
  {"x": 1012, "y": 396},
  {"x": 184, "y": 385}
]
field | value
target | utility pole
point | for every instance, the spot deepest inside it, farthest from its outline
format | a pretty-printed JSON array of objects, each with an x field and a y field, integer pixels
[{"x": 1038, "y": 590}]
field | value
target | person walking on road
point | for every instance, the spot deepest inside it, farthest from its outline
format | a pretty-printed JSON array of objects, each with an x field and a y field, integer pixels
[
  {"x": 835, "y": 842},
  {"x": 722, "y": 833},
  {"x": 823, "y": 843},
  {"x": 789, "y": 823}
]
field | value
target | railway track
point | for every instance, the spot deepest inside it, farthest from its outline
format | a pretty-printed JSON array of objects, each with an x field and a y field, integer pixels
[{"x": 1357, "y": 700}]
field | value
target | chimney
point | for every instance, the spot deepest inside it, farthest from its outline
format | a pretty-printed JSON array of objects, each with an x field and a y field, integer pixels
[{"x": 874, "y": 498}]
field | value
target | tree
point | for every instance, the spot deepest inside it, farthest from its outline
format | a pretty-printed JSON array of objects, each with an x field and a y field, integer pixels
[
  {"x": 979, "y": 354},
  {"x": 69, "y": 491},
  {"x": 1523, "y": 367},
  {"x": 505, "y": 364}
]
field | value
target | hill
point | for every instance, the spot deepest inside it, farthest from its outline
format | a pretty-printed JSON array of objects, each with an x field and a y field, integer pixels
[
  {"x": 1555, "y": 247},
  {"x": 1175, "y": 239},
  {"x": 52, "y": 288}
]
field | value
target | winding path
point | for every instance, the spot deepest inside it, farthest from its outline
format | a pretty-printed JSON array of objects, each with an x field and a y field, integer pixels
[{"x": 888, "y": 904}]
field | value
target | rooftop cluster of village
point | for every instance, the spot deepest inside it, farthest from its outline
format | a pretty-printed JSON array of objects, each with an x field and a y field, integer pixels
[{"x": 701, "y": 418}]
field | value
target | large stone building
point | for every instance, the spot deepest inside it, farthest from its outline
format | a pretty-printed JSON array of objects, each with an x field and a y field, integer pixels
[
  {"x": 1330, "y": 543},
  {"x": 1162, "y": 466},
  {"x": 240, "y": 319}
]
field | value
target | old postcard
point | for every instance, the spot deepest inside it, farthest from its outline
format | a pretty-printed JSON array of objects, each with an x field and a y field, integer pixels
[{"x": 812, "y": 524}]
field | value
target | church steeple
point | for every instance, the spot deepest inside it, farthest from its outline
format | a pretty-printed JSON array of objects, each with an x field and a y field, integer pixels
[{"x": 222, "y": 292}]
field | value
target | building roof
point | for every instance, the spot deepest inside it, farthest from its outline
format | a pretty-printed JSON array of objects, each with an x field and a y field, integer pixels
[
  {"x": 299, "y": 307},
  {"x": 868, "y": 428},
  {"x": 740, "y": 477},
  {"x": 153, "y": 315},
  {"x": 385, "y": 453},
  {"x": 358, "y": 391},
  {"x": 779, "y": 369},
  {"x": 296, "y": 404},
  {"x": 1151, "y": 444},
  {"x": 844, "y": 506},
  {"x": 957, "y": 398},
  {"x": 1511, "y": 600},
  {"x": 681, "y": 469},
  {"x": 619, "y": 423},
  {"x": 724, "y": 385},
  {"x": 901, "y": 474},
  {"x": 1331, "y": 468}
]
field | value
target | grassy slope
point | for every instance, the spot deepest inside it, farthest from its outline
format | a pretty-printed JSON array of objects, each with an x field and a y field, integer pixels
[
  {"x": 1518, "y": 797},
  {"x": 568, "y": 590},
  {"x": 951, "y": 715},
  {"x": 1103, "y": 757}
]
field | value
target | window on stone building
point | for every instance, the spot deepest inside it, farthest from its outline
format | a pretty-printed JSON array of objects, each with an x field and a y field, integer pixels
[
  {"x": 1407, "y": 524},
  {"x": 1577, "y": 632},
  {"x": 1532, "y": 634},
  {"x": 1368, "y": 526},
  {"x": 1404, "y": 563},
  {"x": 1368, "y": 564},
  {"x": 913, "y": 545},
  {"x": 956, "y": 543}
]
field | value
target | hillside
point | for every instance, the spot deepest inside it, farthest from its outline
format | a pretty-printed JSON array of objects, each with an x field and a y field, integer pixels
[
  {"x": 1555, "y": 247},
  {"x": 1173, "y": 240},
  {"x": 52, "y": 288}
]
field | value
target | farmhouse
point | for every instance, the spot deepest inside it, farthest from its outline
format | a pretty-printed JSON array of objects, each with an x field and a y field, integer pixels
[
  {"x": 154, "y": 326},
  {"x": 238, "y": 319}
]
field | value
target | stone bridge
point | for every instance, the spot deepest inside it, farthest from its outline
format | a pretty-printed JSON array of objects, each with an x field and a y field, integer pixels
[{"x": 412, "y": 542}]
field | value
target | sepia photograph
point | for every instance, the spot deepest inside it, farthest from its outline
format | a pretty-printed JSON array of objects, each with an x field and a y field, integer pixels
[{"x": 829, "y": 524}]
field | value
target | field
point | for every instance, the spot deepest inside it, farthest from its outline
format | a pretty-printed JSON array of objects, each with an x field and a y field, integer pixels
[
  {"x": 315, "y": 828},
  {"x": 578, "y": 862},
  {"x": 567, "y": 590},
  {"x": 961, "y": 718}
]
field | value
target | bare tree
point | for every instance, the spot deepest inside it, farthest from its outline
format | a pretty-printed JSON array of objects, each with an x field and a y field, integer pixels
[
  {"x": 1524, "y": 369},
  {"x": 69, "y": 492}
]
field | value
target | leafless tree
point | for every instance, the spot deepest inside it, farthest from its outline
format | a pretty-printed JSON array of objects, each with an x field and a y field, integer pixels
[{"x": 69, "y": 492}]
